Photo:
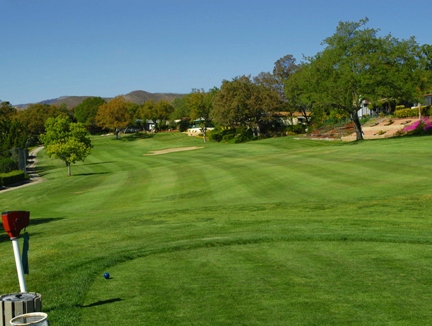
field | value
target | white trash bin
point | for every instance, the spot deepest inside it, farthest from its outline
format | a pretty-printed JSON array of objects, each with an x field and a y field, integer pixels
[{"x": 33, "y": 318}]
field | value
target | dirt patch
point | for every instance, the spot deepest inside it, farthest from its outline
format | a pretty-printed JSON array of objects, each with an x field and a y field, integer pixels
[{"x": 172, "y": 150}]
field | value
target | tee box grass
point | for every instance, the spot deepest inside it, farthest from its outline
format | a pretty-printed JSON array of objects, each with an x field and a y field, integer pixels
[{"x": 273, "y": 232}]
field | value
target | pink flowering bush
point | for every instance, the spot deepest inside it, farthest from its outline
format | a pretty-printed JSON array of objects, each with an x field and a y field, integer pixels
[{"x": 423, "y": 126}]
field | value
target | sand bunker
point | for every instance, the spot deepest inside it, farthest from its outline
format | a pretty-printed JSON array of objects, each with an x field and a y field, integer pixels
[{"x": 172, "y": 150}]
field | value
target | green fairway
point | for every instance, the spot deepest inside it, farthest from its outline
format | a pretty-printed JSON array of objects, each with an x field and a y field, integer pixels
[{"x": 273, "y": 232}]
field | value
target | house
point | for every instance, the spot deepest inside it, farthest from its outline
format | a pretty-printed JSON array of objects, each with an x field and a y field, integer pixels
[
  {"x": 364, "y": 110},
  {"x": 196, "y": 130},
  {"x": 427, "y": 100},
  {"x": 291, "y": 119}
]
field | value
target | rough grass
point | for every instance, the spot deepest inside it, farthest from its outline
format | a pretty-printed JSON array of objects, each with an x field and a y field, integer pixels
[{"x": 272, "y": 232}]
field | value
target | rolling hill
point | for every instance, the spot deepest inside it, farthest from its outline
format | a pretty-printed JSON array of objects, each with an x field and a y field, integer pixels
[{"x": 137, "y": 96}]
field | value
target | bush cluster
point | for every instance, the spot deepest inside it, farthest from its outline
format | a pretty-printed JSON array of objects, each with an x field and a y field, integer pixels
[
  {"x": 222, "y": 134},
  {"x": 231, "y": 135},
  {"x": 243, "y": 135},
  {"x": 8, "y": 164},
  {"x": 408, "y": 112},
  {"x": 12, "y": 177},
  {"x": 296, "y": 129},
  {"x": 419, "y": 128}
]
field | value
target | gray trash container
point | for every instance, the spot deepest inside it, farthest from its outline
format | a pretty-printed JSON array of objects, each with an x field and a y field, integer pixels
[
  {"x": 15, "y": 304},
  {"x": 33, "y": 318}
]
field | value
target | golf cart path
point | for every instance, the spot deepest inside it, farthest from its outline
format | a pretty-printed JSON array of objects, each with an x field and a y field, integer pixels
[{"x": 31, "y": 171}]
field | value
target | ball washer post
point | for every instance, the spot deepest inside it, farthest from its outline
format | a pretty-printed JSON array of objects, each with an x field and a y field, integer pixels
[
  {"x": 13, "y": 223},
  {"x": 15, "y": 304},
  {"x": 19, "y": 265}
]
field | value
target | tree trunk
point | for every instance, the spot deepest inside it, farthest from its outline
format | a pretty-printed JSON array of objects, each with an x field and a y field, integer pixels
[
  {"x": 358, "y": 128},
  {"x": 69, "y": 169},
  {"x": 204, "y": 132},
  {"x": 304, "y": 113}
]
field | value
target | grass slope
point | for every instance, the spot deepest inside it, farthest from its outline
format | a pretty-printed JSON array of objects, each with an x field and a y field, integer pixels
[{"x": 273, "y": 232}]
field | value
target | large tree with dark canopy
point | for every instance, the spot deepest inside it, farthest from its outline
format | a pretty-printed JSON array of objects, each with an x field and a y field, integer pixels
[
  {"x": 242, "y": 102},
  {"x": 358, "y": 65},
  {"x": 86, "y": 111}
]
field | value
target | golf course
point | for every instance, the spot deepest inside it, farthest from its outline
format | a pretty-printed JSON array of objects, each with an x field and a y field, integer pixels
[{"x": 278, "y": 231}]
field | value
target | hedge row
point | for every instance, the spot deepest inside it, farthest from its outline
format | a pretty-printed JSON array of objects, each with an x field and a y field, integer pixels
[
  {"x": 408, "y": 112},
  {"x": 10, "y": 178}
]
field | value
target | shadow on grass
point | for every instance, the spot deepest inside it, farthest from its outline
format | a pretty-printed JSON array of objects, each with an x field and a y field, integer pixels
[
  {"x": 99, "y": 303},
  {"x": 38, "y": 221},
  {"x": 137, "y": 136},
  {"x": 42, "y": 169},
  {"x": 4, "y": 237},
  {"x": 91, "y": 173},
  {"x": 97, "y": 163}
]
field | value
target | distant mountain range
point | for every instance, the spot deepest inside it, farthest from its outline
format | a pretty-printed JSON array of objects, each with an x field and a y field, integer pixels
[{"x": 138, "y": 97}]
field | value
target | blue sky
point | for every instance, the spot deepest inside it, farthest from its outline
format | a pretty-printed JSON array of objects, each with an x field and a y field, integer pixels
[{"x": 53, "y": 48}]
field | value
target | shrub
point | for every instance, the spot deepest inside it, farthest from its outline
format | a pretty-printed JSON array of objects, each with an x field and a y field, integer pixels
[
  {"x": 8, "y": 165},
  {"x": 406, "y": 113},
  {"x": 365, "y": 118},
  {"x": 183, "y": 125},
  {"x": 244, "y": 136},
  {"x": 296, "y": 129},
  {"x": 420, "y": 127},
  {"x": 226, "y": 138},
  {"x": 12, "y": 177},
  {"x": 219, "y": 134}
]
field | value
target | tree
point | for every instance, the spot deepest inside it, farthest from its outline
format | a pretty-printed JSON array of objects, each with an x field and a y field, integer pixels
[
  {"x": 66, "y": 140},
  {"x": 86, "y": 111},
  {"x": 163, "y": 109},
  {"x": 133, "y": 110},
  {"x": 147, "y": 111},
  {"x": 181, "y": 113},
  {"x": 298, "y": 92},
  {"x": 6, "y": 110},
  {"x": 397, "y": 74},
  {"x": 114, "y": 115},
  {"x": 12, "y": 135},
  {"x": 357, "y": 65},
  {"x": 159, "y": 112},
  {"x": 285, "y": 67},
  {"x": 241, "y": 102},
  {"x": 200, "y": 104},
  {"x": 181, "y": 109},
  {"x": 425, "y": 59},
  {"x": 34, "y": 117}
]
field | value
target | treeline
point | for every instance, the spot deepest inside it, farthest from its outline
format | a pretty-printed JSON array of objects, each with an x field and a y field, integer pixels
[
  {"x": 18, "y": 131},
  {"x": 356, "y": 68}
]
